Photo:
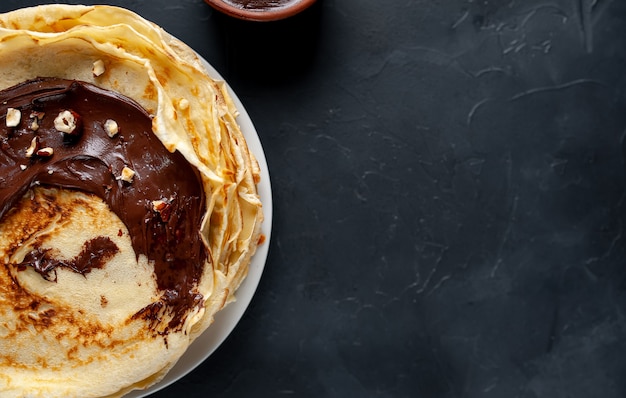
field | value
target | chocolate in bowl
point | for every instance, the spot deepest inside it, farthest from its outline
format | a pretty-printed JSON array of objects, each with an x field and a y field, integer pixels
[{"x": 261, "y": 10}]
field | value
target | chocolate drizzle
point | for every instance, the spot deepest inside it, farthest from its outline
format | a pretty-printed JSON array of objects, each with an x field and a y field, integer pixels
[
  {"x": 92, "y": 162},
  {"x": 94, "y": 254}
]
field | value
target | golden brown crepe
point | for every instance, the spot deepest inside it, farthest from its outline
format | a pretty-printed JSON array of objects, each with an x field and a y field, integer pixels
[{"x": 84, "y": 324}]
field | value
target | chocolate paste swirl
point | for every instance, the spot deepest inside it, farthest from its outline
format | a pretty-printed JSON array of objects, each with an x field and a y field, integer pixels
[
  {"x": 95, "y": 254},
  {"x": 162, "y": 206}
]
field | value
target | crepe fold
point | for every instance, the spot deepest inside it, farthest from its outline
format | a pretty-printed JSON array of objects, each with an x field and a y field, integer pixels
[{"x": 79, "y": 335}]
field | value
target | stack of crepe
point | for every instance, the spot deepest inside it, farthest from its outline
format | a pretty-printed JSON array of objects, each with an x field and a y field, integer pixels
[{"x": 57, "y": 336}]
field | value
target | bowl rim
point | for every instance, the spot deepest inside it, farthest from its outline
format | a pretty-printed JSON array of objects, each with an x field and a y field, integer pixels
[{"x": 270, "y": 14}]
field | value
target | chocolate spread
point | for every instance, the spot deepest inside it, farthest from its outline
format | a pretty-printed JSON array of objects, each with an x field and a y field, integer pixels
[
  {"x": 259, "y": 4},
  {"x": 95, "y": 253},
  {"x": 161, "y": 204}
]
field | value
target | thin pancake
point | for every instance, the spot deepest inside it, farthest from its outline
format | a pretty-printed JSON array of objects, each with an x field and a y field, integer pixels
[{"x": 57, "y": 334}]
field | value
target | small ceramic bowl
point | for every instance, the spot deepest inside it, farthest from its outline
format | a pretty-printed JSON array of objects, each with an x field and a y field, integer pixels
[{"x": 260, "y": 10}]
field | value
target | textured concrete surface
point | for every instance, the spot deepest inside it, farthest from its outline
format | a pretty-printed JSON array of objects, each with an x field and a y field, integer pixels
[{"x": 448, "y": 185}]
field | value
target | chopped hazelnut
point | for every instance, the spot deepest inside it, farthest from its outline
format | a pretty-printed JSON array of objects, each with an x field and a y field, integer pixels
[
  {"x": 111, "y": 127},
  {"x": 13, "y": 117},
  {"x": 33, "y": 124},
  {"x": 23, "y": 167},
  {"x": 34, "y": 146},
  {"x": 98, "y": 68},
  {"x": 127, "y": 174},
  {"x": 35, "y": 118},
  {"x": 158, "y": 205},
  {"x": 68, "y": 122},
  {"x": 45, "y": 152},
  {"x": 163, "y": 208}
]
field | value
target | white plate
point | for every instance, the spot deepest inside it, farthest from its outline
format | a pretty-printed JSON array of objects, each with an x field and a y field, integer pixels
[{"x": 227, "y": 319}]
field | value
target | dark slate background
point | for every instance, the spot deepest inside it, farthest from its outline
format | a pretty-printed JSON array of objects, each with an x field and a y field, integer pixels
[{"x": 448, "y": 185}]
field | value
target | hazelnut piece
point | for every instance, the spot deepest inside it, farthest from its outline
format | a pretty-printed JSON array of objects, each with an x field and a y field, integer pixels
[
  {"x": 35, "y": 118},
  {"x": 33, "y": 124},
  {"x": 98, "y": 68},
  {"x": 111, "y": 127},
  {"x": 34, "y": 146},
  {"x": 45, "y": 152},
  {"x": 68, "y": 122},
  {"x": 163, "y": 208},
  {"x": 13, "y": 117},
  {"x": 127, "y": 174}
]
